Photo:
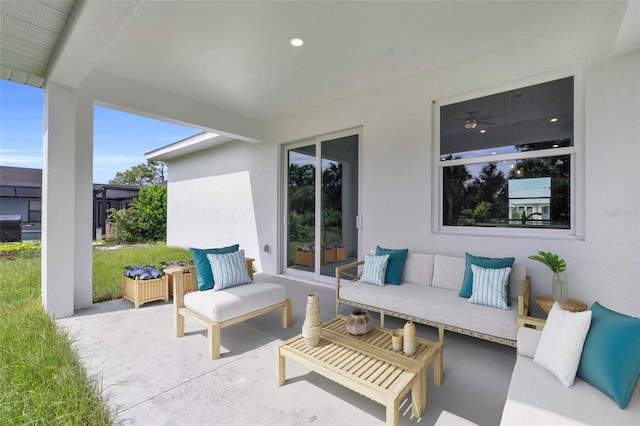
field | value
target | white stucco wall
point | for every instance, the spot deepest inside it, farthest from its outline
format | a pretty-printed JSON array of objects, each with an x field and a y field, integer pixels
[
  {"x": 604, "y": 263},
  {"x": 225, "y": 196}
]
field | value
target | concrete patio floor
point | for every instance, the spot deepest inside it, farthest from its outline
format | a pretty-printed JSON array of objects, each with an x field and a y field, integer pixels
[{"x": 150, "y": 377}]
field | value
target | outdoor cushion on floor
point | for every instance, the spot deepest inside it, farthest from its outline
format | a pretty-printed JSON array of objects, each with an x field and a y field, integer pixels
[{"x": 232, "y": 302}]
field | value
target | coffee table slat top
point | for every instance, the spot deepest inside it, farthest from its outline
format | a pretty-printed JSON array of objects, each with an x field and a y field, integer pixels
[
  {"x": 370, "y": 372},
  {"x": 366, "y": 364}
]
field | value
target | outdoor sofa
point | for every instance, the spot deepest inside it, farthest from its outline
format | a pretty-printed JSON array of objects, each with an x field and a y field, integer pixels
[
  {"x": 429, "y": 294},
  {"x": 537, "y": 397}
]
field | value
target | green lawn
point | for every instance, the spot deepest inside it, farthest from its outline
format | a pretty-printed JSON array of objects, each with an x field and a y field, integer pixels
[{"x": 41, "y": 380}]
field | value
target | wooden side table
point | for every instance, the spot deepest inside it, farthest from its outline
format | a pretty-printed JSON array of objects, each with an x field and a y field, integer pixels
[{"x": 545, "y": 302}]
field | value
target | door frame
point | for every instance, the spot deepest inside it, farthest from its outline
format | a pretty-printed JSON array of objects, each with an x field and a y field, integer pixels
[{"x": 283, "y": 212}]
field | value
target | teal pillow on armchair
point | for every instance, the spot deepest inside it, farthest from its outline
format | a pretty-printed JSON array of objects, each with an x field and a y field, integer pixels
[
  {"x": 203, "y": 266},
  {"x": 395, "y": 265}
]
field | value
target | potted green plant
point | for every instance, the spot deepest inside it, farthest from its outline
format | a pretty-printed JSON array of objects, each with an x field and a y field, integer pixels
[{"x": 558, "y": 266}]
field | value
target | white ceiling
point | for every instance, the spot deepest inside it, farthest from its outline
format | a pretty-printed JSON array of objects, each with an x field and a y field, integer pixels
[{"x": 235, "y": 54}]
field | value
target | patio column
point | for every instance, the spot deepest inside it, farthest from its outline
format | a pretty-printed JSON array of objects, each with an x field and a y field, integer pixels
[{"x": 66, "y": 201}]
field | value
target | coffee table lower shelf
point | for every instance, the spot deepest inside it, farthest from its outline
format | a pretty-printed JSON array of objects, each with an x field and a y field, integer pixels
[{"x": 367, "y": 365}]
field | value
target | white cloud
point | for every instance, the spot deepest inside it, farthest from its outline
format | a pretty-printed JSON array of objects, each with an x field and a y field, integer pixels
[{"x": 9, "y": 157}]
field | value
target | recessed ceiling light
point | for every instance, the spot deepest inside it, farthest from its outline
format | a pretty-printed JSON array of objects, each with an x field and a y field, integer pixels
[
  {"x": 483, "y": 131},
  {"x": 296, "y": 42},
  {"x": 554, "y": 119}
]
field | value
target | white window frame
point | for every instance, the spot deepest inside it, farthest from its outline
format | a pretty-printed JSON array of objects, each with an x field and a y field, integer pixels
[{"x": 576, "y": 153}]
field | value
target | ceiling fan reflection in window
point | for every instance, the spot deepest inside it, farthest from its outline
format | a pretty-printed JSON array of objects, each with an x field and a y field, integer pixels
[{"x": 471, "y": 121}]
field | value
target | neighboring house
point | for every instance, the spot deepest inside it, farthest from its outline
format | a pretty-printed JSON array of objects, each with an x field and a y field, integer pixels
[
  {"x": 21, "y": 198},
  {"x": 109, "y": 196},
  {"x": 371, "y": 88}
]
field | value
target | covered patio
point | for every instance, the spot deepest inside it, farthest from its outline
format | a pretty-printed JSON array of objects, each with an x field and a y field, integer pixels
[
  {"x": 151, "y": 377},
  {"x": 228, "y": 68}
]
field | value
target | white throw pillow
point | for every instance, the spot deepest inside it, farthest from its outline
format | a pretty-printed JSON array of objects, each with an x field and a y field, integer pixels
[
  {"x": 490, "y": 287},
  {"x": 561, "y": 343},
  {"x": 228, "y": 270},
  {"x": 375, "y": 268}
]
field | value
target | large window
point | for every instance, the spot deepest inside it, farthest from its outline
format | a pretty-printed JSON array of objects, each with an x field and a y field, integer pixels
[{"x": 505, "y": 160}]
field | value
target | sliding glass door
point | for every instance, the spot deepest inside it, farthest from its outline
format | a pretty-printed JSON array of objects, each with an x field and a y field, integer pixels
[{"x": 322, "y": 204}]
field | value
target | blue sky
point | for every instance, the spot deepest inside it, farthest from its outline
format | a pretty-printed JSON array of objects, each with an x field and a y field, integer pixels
[{"x": 119, "y": 139}]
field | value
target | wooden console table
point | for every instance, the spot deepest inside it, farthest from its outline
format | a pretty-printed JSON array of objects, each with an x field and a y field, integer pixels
[{"x": 367, "y": 364}]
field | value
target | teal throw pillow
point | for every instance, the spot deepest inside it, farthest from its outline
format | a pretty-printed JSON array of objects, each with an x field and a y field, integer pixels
[
  {"x": 611, "y": 355},
  {"x": 374, "y": 269},
  {"x": 395, "y": 266},
  {"x": 203, "y": 267},
  {"x": 484, "y": 262}
]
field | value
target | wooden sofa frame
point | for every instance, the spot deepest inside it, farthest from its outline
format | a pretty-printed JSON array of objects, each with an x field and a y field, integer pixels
[
  {"x": 524, "y": 299},
  {"x": 213, "y": 328}
]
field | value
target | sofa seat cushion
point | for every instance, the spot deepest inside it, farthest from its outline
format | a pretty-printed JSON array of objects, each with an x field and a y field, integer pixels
[
  {"x": 435, "y": 304},
  {"x": 536, "y": 397},
  {"x": 232, "y": 302}
]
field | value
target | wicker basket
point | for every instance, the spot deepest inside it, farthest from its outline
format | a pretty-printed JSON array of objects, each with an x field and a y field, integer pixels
[{"x": 143, "y": 291}]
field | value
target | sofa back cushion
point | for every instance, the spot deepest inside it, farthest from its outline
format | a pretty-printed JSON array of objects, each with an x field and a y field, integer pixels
[
  {"x": 418, "y": 268},
  {"x": 448, "y": 272}
]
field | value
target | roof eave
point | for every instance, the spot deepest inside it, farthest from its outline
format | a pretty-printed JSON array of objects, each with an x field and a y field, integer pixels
[{"x": 186, "y": 146}]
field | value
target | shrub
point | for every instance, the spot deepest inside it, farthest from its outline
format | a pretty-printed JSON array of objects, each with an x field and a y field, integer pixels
[{"x": 145, "y": 219}]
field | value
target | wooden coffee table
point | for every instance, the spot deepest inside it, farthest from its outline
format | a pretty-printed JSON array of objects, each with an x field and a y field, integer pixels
[{"x": 367, "y": 365}]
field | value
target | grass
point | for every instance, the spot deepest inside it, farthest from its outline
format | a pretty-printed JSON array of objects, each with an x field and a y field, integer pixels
[{"x": 42, "y": 381}]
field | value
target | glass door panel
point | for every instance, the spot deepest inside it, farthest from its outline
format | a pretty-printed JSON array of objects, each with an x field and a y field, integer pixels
[
  {"x": 339, "y": 195},
  {"x": 322, "y": 208},
  {"x": 301, "y": 207}
]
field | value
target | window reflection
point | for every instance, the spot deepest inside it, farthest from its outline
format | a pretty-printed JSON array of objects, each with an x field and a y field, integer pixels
[
  {"x": 532, "y": 192},
  {"x": 537, "y": 117}
]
